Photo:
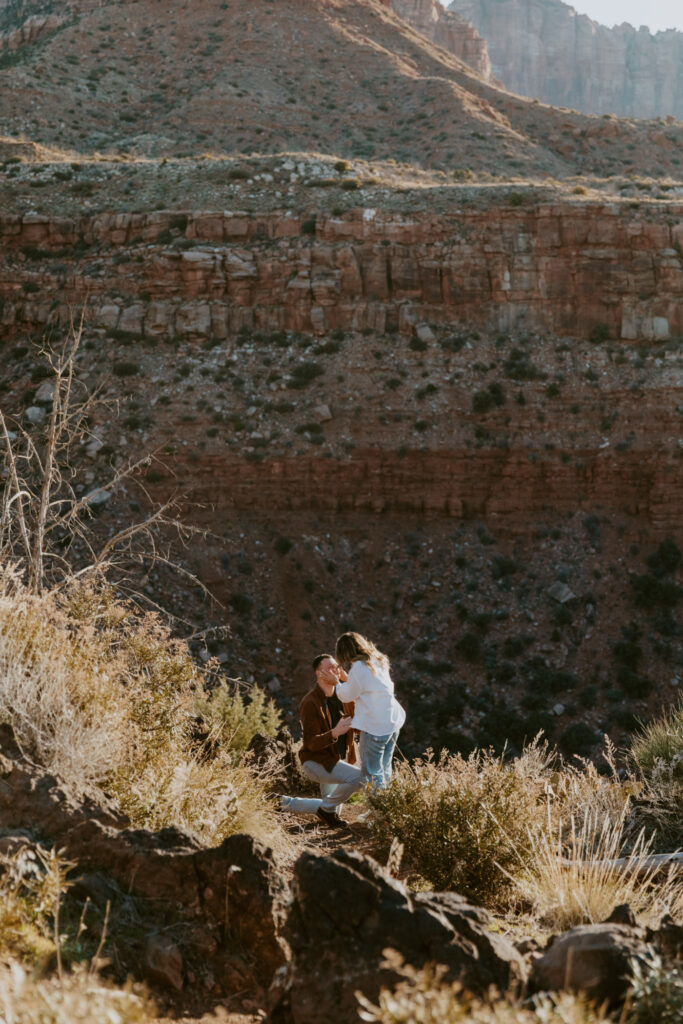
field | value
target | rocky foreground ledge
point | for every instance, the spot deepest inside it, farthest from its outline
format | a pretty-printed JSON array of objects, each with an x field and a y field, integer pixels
[{"x": 227, "y": 919}]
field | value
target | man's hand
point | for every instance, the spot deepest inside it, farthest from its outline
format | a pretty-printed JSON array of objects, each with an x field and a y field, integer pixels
[{"x": 342, "y": 726}]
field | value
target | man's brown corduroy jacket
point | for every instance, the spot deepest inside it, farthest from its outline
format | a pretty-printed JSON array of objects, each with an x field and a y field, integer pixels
[{"x": 319, "y": 744}]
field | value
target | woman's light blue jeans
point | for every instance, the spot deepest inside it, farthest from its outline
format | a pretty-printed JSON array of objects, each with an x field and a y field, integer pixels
[{"x": 376, "y": 753}]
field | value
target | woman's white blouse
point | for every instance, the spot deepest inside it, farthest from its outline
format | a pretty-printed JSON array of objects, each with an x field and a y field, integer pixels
[{"x": 372, "y": 688}]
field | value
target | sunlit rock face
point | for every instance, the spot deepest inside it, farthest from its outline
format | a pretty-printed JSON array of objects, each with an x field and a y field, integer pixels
[
  {"x": 545, "y": 49},
  {"x": 448, "y": 30}
]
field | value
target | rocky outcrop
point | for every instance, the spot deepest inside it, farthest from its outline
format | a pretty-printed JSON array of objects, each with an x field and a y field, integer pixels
[
  {"x": 235, "y": 891},
  {"x": 510, "y": 489},
  {"x": 448, "y": 30},
  {"x": 595, "y": 959},
  {"x": 347, "y": 911},
  {"x": 31, "y": 31},
  {"x": 545, "y": 49},
  {"x": 570, "y": 269}
]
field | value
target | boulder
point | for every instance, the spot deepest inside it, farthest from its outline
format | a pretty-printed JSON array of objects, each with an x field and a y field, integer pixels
[
  {"x": 593, "y": 958},
  {"x": 45, "y": 393},
  {"x": 164, "y": 963},
  {"x": 236, "y": 890},
  {"x": 561, "y": 593},
  {"x": 35, "y": 415},
  {"x": 347, "y": 910}
]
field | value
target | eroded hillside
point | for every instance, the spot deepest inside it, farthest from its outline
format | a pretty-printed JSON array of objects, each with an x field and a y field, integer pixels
[
  {"x": 350, "y": 78},
  {"x": 457, "y": 432}
]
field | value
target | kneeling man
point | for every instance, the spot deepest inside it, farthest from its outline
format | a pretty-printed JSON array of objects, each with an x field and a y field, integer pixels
[{"x": 326, "y": 725}]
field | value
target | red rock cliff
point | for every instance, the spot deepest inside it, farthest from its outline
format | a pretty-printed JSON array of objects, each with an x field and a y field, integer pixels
[
  {"x": 448, "y": 30},
  {"x": 544, "y": 49},
  {"x": 569, "y": 269}
]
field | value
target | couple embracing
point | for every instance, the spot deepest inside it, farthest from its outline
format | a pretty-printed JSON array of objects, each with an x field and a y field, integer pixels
[{"x": 353, "y": 694}]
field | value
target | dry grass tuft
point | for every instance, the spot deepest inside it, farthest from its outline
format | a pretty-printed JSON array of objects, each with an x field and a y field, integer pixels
[
  {"x": 102, "y": 696},
  {"x": 657, "y": 752},
  {"x": 77, "y": 998},
  {"x": 661, "y": 742},
  {"x": 571, "y": 877}
]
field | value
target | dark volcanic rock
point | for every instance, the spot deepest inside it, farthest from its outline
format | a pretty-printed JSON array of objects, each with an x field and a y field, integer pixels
[
  {"x": 595, "y": 959},
  {"x": 279, "y": 751},
  {"x": 236, "y": 889},
  {"x": 347, "y": 910}
]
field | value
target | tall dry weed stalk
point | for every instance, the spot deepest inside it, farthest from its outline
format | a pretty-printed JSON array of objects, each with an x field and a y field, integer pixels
[
  {"x": 45, "y": 520},
  {"x": 579, "y": 872}
]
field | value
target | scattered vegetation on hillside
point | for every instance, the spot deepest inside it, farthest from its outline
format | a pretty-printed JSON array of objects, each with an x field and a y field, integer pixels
[{"x": 528, "y": 829}]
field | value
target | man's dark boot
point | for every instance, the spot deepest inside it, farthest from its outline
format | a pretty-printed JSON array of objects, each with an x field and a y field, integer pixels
[{"x": 330, "y": 819}]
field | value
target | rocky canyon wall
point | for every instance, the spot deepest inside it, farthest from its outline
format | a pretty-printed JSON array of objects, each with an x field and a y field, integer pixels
[
  {"x": 447, "y": 29},
  {"x": 508, "y": 489},
  {"x": 544, "y": 49},
  {"x": 569, "y": 268}
]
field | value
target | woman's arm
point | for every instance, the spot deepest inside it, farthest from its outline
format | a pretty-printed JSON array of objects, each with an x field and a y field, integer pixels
[{"x": 351, "y": 689}]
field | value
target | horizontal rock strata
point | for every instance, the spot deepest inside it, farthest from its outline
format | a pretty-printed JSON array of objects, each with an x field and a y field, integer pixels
[
  {"x": 569, "y": 269},
  {"x": 509, "y": 489}
]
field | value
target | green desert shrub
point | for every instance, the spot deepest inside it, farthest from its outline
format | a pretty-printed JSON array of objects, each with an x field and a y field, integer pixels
[
  {"x": 657, "y": 753},
  {"x": 236, "y": 716},
  {"x": 660, "y": 742},
  {"x": 304, "y": 373},
  {"x": 463, "y": 822}
]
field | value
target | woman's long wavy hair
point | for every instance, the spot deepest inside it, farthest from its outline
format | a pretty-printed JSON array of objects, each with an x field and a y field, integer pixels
[{"x": 355, "y": 647}]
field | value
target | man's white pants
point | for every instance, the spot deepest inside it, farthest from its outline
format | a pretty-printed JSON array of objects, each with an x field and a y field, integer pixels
[{"x": 336, "y": 786}]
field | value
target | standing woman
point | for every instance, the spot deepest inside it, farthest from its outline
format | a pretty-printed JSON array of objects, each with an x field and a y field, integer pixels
[{"x": 378, "y": 715}]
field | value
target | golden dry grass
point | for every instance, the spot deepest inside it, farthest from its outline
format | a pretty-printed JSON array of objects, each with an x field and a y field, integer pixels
[
  {"x": 423, "y": 997},
  {"x": 104, "y": 697},
  {"x": 571, "y": 878},
  {"x": 77, "y": 998}
]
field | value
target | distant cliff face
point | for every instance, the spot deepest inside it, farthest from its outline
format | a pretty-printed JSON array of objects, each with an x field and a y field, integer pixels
[
  {"x": 544, "y": 49},
  {"x": 448, "y": 30}
]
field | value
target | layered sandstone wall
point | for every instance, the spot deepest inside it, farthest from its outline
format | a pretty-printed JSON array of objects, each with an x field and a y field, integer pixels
[
  {"x": 512, "y": 490},
  {"x": 569, "y": 269},
  {"x": 544, "y": 49},
  {"x": 448, "y": 30}
]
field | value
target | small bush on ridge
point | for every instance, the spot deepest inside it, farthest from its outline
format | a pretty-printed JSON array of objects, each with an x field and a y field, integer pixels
[{"x": 463, "y": 823}]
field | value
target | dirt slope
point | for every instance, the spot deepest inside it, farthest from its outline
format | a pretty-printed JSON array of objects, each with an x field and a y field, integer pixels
[{"x": 349, "y": 78}]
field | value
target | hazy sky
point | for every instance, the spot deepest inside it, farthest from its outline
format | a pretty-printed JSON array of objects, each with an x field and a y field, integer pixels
[{"x": 656, "y": 14}]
